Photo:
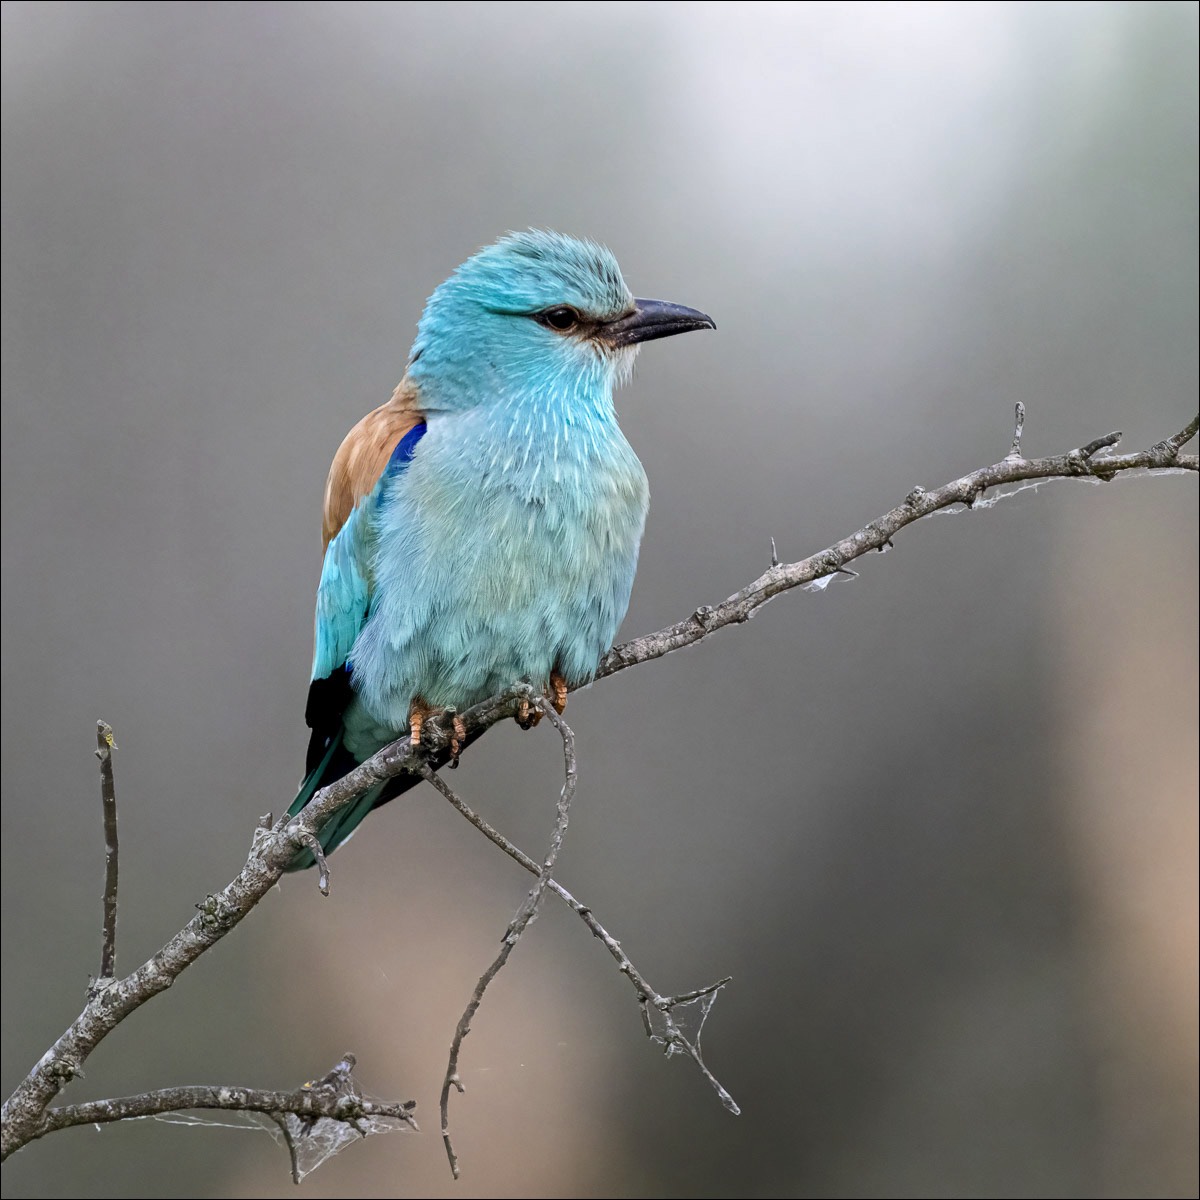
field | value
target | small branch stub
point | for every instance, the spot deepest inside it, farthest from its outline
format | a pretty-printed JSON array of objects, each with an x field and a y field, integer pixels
[
  {"x": 313, "y": 843},
  {"x": 105, "y": 745},
  {"x": 1018, "y": 431}
]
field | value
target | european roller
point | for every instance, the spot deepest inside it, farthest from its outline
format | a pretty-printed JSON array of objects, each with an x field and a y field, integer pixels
[{"x": 482, "y": 526}]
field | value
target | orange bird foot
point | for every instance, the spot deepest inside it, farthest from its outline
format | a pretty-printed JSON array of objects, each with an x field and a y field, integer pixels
[
  {"x": 527, "y": 716},
  {"x": 421, "y": 712}
]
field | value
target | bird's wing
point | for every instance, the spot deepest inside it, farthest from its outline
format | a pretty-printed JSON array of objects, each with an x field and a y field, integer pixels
[
  {"x": 364, "y": 452},
  {"x": 377, "y": 448}
]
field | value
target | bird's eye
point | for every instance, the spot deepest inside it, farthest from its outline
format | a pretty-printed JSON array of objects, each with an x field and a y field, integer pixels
[{"x": 562, "y": 319}]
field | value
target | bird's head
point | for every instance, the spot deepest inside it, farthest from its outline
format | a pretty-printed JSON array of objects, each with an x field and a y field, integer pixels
[{"x": 535, "y": 311}]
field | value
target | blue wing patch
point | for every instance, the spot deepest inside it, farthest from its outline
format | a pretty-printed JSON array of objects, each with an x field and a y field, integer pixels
[{"x": 403, "y": 453}]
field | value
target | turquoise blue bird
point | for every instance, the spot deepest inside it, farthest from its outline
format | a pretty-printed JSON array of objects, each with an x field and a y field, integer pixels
[{"x": 482, "y": 526}]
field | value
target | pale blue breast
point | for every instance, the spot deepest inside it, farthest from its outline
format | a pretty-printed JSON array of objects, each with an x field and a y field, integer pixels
[{"x": 506, "y": 549}]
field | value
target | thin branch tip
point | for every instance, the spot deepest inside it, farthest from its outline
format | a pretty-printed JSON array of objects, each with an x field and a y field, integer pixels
[
  {"x": 1101, "y": 443},
  {"x": 1172, "y": 445},
  {"x": 1018, "y": 430},
  {"x": 105, "y": 745}
]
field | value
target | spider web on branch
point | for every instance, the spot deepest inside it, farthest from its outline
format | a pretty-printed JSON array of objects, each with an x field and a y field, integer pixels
[{"x": 311, "y": 1141}]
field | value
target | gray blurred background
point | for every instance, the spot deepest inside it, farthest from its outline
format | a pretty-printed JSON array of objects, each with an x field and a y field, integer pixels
[{"x": 939, "y": 822}]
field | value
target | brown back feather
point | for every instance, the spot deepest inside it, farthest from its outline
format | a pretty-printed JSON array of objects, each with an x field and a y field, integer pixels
[{"x": 364, "y": 453}]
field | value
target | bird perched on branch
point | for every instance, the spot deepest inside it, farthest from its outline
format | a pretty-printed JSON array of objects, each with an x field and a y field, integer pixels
[{"x": 482, "y": 526}]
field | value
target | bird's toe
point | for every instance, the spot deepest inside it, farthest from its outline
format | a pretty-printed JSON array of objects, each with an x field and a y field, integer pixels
[{"x": 527, "y": 714}]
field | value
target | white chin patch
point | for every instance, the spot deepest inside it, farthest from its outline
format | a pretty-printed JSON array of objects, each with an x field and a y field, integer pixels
[{"x": 622, "y": 359}]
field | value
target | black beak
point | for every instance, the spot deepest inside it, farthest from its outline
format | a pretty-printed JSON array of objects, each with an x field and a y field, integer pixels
[{"x": 652, "y": 319}]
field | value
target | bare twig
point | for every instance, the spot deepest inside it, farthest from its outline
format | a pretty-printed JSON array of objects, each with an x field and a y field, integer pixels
[
  {"x": 303, "y": 1102},
  {"x": 919, "y": 503},
  {"x": 105, "y": 745},
  {"x": 334, "y": 1097},
  {"x": 273, "y": 851},
  {"x": 647, "y": 997},
  {"x": 1176, "y": 442},
  {"x": 1018, "y": 430},
  {"x": 314, "y": 844},
  {"x": 520, "y": 922}
]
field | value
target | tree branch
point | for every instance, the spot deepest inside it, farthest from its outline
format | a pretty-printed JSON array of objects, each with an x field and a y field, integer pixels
[
  {"x": 520, "y": 922},
  {"x": 877, "y": 535},
  {"x": 105, "y": 745},
  {"x": 649, "y": 1000},
  {"x": 322, "y": 1098},
  {"x": 273, "y": 849}
]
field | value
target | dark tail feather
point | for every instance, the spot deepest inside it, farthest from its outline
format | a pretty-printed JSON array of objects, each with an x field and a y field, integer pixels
[{"x": 338, "y": 761}]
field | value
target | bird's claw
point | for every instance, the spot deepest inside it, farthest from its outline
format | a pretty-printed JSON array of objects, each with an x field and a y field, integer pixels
[
  {"x": 458, "y": 736},
  {"x": 528, "y": 714},
  {"x": 421, "y": 712},
  {"x": 557, "y": 695},
  {"x": 416, "y": 722}
]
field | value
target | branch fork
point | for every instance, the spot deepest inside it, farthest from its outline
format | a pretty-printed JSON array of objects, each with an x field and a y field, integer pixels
[{"x": 27, "y": 1113}]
